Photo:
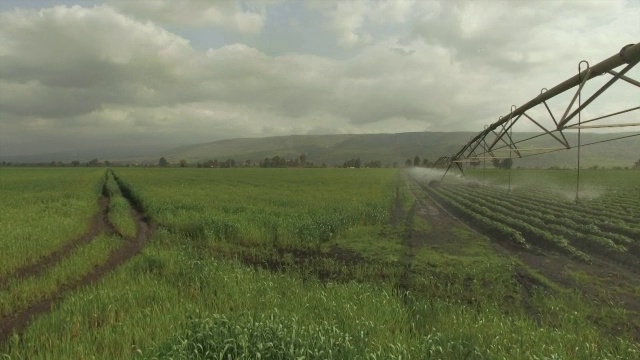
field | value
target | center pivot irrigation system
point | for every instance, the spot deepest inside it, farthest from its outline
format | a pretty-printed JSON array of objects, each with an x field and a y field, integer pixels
[{"x": 499, "y": 135}]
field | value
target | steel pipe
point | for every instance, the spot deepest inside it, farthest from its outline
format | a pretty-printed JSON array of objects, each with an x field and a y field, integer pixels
[{"x": 629, "y": 54}]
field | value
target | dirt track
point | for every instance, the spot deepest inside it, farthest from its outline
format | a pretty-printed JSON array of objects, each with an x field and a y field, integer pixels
[{"x": 17, "y": 322}]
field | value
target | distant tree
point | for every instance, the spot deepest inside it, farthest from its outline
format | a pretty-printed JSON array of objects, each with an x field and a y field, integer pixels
[
  {"x": 373, "y": 164},
  {"x": 496, "y": 163},
  {"x": 637, "y": 164},
  {"x": 75, "y": 163},
  {"x": 474, "y": 162},
  {"x": 416, "y": 161},
  {"x": 425, "y": 162},
  {"x": 163, "y": 162},
  {"x": 357, "y": 163},
  {"x": 198, "y": 165},
  {"x": 408, "y": 162},
  {"x": 93, "y": 162},
  {"x": 303, "y": 159},
  {"x": 229, "y": 163},
  {"x": 247, "y": 163},
  {"x": 506, "y": 164},
  {"x": 183, "y": 163},
  {"x": 107, "y": 163}
]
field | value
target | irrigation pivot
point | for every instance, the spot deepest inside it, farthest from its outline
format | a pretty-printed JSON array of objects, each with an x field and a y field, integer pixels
[{"x": 498, "y": 136}]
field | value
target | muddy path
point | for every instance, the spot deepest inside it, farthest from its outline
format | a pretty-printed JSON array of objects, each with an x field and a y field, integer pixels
[
  {"x": 98, "y": 224},
  {"x": 17, "y": 322},
  {"x": 600, "y": 281},
  {"x": 439, "y": 232}
]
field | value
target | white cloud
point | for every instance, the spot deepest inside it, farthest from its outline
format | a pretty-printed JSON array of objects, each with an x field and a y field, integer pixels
[
  {"x": 66, "y": 61},
  {"x": 105, "y": 74},
  {"x": 517, "y": 36},
  {"x": 350, "y": 20},
  {"x": 229, "y": 15}
]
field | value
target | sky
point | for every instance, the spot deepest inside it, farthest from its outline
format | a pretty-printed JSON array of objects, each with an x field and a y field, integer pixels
[{"x": 79, "y": 75}]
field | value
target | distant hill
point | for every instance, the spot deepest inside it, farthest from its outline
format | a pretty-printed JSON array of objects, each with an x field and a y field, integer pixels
[
  {"x": 389, "y": 148},
  {"x": 113, "y": 153},
  {"x": 328, "y": 149}
]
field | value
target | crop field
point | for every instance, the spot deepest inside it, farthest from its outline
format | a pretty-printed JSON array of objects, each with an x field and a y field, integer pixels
[
  {"x": 541, "y": 211},
  {"x": 317, "y": 264},
  {"x": 44, "y": 207}
]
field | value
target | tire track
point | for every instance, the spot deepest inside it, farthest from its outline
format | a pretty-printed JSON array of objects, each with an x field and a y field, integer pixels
[
  {"x": 17, "y": 322},
  {"x": 439, "y": 233},
  {"x": 98, "y": 224},
  {"x": 402, "y": 220}
]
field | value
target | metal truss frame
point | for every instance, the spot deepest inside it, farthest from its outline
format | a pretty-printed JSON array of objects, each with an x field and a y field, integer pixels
[{"x": 498, "y": 136}]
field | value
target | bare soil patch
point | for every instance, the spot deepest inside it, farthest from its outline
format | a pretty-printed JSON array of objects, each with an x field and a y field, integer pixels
[{"x": 332, "y": 265}]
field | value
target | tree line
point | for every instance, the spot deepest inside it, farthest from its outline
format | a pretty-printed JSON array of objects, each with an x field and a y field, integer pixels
[
  {"x": 74, "y": 163},
  {"x": 269, "y": 162}
]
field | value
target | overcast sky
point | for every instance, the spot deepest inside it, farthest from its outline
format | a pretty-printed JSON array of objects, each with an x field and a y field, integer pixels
[{"x": 81, "y": 74}]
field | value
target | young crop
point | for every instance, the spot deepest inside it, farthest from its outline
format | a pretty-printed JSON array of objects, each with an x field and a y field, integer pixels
[
  {"x": 301, "y": 207},
  {"x": 546, "y": 220},
  {"x": 41, "y": 209},
  {"x": 19, "y": 294},
  {"x": 316, "y": 263}
]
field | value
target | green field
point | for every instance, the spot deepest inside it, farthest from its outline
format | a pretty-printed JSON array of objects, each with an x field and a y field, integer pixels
[
  {"x": 539, "y": 208},
  {"x": 44, "y": 207},
  {"x": 316, "y": 263}
]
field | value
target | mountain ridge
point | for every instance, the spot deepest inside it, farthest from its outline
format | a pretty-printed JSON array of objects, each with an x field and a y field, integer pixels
[
  {"x": 334, "y": 149},
  {"x": 389, "y": 148}
]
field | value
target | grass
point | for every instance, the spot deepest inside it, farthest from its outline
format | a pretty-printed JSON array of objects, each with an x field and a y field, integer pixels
[
  {"x": 207, "y": 284},
  {"x": 169, "y": 303},
  {"x": 263, "y": 206},
  {"x": 20, "y": 293},
  {"x": 120, "y": 210},
  {"x": 43, "y": 208}
]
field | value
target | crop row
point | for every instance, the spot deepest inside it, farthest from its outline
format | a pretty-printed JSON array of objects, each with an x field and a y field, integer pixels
[
  {"x": 559, "y": 226},
  {"x": 616, "y": 227},
  {"x": 530, "y": 233},
  {"x": 474, "y": 213},
  {"x": 620, "y": 202},
  {"x": 589, "y": 209},
  {"x": 563, "y": 220}
]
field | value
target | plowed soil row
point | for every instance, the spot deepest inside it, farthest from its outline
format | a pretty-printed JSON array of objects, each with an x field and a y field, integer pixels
[
  {"x": 17, "y": 322},
  {"x": 603, "y": 282}
]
